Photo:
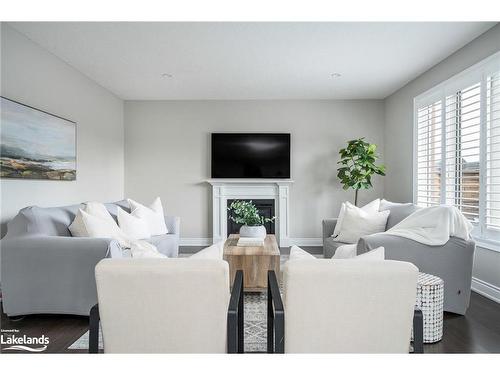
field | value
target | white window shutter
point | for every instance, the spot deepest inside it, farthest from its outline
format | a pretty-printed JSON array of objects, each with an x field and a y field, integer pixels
[
  {"x": 428, "y": 153},
  {"x": 492, "y": 204},
  {"x": 462, "y": 137}
]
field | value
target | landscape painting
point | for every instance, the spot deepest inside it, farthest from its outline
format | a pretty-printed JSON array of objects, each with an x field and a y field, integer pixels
[{"x": 35, "y": 144}]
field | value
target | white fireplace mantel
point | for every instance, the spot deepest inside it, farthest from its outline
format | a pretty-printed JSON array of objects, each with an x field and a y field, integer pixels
[{"x": 277, "y": 189}]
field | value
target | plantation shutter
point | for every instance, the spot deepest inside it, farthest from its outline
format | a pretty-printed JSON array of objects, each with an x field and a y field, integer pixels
[
  {"x": 492, "y": 196},
  {"x": 428, "y": 153},
  {"x": 462, "y": 145}
]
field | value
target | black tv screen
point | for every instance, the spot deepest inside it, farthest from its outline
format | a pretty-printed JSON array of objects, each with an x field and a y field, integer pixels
[{"x": 250, "y": 155}]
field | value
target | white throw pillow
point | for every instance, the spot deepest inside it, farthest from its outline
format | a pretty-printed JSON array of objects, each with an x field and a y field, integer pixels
[
  {"x": 296, "y": 253},
  {"x": 98, "y": 209},
  {"x": 215, "y": 251},
  {"x": 371, "y": 207},
  {"x": 77, "y": 227},
  {"x": 153, "y": 215},
  {"x": 375, "y": 254},
  {"x": 133, "y": 226},
  {"x": 357, "y": 223},
  {"x": 102, "y": 228}
]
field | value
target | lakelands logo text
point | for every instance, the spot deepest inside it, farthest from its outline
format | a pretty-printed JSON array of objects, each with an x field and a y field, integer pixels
[{"x": 36, "y": 344}]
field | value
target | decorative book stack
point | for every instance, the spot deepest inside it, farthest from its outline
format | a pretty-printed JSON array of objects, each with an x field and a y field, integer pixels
[{"x": 250, "y": 241}]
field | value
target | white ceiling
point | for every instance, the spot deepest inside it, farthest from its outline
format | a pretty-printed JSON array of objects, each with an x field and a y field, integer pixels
[{"x": 251, "y": 60}]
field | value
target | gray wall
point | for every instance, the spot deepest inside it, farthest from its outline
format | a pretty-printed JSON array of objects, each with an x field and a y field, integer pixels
[
  {"x": 399, "y": 134},
  {"x": 33, "y": 76},
  {"x": 167, "y": 153}
]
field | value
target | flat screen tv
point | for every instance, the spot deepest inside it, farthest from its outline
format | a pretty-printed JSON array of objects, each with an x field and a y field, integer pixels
[{"x": 250, "y": 155}]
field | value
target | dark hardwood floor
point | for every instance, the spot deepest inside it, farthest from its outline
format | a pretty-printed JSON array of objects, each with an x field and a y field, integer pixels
[{"x": 476, "y": 332}]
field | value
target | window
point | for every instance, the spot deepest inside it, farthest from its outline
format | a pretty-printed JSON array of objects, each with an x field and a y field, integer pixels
[{"x": 457, "y": 146}]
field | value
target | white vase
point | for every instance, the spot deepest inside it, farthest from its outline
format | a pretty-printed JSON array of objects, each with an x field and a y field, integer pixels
[{"x": 256, "y": 231}]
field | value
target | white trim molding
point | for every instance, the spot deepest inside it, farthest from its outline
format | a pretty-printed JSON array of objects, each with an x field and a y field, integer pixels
[
  {"x": 190, "y": 241},
  {"x": 224, "y": 189},
  {"x": 305, "y": 241},
  {"x": 486, "y": 289}
]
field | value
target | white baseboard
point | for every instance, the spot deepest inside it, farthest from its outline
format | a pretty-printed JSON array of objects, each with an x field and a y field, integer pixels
[
  {"x": 486, "y": 289},
  {"x": 191, "y": 241},
  {"x": 306, "y": 241}
]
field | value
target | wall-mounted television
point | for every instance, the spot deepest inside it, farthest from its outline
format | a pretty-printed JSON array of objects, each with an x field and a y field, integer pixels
[{"x": 250, "y": 155}]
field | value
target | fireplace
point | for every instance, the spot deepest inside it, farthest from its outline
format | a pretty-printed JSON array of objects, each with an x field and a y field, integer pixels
[
  {"x": 264, "y": 191},
  {"x": 266, "y": 209}
]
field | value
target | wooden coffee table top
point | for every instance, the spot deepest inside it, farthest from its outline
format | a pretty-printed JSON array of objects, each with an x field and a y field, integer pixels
[{"x": 270, "y": 247}]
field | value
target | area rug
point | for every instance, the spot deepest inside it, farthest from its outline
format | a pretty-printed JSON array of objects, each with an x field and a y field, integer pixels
[{"x": 255, "y": 326}]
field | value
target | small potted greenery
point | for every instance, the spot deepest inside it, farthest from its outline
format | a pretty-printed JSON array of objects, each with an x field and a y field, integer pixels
[{"x": 245, "y": 213}]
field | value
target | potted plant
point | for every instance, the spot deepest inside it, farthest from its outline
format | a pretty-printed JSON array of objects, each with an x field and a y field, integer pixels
[
  {"x": 245, "y": 213},
  {"x": 358, "y": 166}
]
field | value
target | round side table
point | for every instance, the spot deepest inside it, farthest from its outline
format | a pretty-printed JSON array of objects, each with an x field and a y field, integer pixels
[{"x": 430, "y": 298}]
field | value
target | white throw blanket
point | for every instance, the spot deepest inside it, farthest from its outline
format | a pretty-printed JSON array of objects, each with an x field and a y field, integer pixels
[
  {"x": 433, "y": 225},
  {"x": 143, "y": 249}
]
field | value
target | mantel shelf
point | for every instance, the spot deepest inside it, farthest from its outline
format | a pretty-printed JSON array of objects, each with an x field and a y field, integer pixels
[{"x": 257, "y": 181}]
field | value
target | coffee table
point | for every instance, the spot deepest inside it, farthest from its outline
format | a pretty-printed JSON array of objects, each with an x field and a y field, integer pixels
[{"x": 255, "y": 261}]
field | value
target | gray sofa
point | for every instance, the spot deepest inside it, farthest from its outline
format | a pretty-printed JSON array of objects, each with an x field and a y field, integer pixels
[
  {"x": 452, "y": 262},
  {"x": 47, "y": 271}
]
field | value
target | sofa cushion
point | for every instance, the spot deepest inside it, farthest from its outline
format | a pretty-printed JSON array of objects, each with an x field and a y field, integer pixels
[
  {"x": 398, "y": 211},
  {"x": 51, "y": 221}
]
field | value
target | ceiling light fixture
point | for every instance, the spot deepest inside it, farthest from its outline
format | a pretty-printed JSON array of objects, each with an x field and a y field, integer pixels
[{"x": 336, "y": 75}]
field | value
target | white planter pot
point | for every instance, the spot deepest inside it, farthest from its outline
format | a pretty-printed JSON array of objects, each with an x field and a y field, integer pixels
[{"x": 253, "y": 231}]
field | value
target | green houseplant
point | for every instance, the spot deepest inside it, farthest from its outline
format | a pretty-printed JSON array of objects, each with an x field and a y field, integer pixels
[
  {"x": 357, "y": 162},
  {"x": 246, "y": 213}
]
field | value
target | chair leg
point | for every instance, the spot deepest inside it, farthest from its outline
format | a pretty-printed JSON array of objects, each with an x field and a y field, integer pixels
[
  {"x": 94, "y": 329},
  {"x": 275, "y": 316},
  {"x": 418, "y": 332},
  {"x": 235, "y": 322},
  {"x": 270, "y": 320}
]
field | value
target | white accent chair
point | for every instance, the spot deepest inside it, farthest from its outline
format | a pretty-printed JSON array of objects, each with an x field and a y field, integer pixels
[
  {"x": 167, "y": 306},
  {"x": 344, "y": 306}
]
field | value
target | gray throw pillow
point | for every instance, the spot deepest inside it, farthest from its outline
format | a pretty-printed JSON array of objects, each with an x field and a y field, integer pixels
[{"x": 399, "y": 211}]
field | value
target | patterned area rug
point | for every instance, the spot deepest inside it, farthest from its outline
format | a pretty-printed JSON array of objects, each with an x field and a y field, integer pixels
[{"x": 255, "y": 326}]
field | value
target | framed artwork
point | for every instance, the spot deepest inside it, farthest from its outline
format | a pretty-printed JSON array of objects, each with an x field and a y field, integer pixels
[{"x": 35, "y": 144}]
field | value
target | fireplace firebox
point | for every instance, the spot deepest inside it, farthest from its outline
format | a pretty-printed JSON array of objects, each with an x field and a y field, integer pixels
[{"x": 265, "y": 207}]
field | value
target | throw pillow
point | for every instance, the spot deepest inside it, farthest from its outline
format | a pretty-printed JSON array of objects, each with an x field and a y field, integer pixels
[
  {"x": 398, "y": 211},
  {"x": 100, "y": 228},
  {"x": 358, "y": 223},
  {"x": 77, "y": 227},
  {"x": 153, "y": 215},
  {"x": 375, "y": 254},
  {"x": 212, "y": 252},
  {"x": 296, "y": 253},
  {"x": 98, "y": 209},
  {"x": 134, "y": 227},
  {"x": 373, "y": 206}
]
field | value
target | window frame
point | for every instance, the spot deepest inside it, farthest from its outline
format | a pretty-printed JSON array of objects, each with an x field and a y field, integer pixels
[{"x": 476, "y": 74}]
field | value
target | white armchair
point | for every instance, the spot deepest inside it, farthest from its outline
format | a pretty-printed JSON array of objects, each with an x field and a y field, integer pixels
[
  {"x": 344, "y": 306},
  {"x": 167, "y": 306}
]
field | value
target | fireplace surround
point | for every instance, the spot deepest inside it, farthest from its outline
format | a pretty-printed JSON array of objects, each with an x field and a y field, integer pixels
[{"x": 224, "y": 190}]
